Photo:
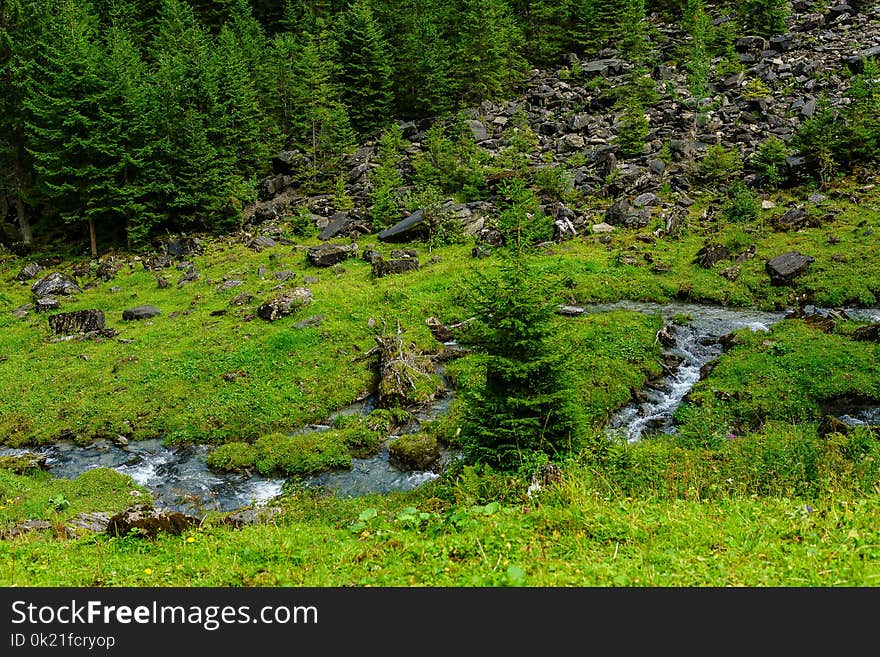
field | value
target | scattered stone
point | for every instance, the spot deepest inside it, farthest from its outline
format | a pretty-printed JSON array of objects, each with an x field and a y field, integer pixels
[
  {"x": 327, "y": 255},
  {"x": 25, "y": 527},
  {"x": 371, "y": 255},
  {"x": 22, "y": 311},
  {"x": 602, "y": 228},
  {"x": 232, "y": 376},
  {"x": 262, "y": 242},
  {"x": 829, "y": 425},
  {"x": 228, "y": 285},
  {"x": 730, "y": 273},
  {"x": 382, "y": 268},
  {"x": 285, "y": 305},
  {"x": 54, "y": 284},
  {"x": 309, "y": 322},
  {"x": 250, "y": 516},
  {"x": 867, "y": 333},
  {"x": 161, "y": 282},
  {"x": 147, "y": 522},
  {"x": 29, "y": 271},
  {"x": 140, "y": 312},
  {"x": 241, "y": 299},
  {"x": 46, "y": 304},
  {"x": 87, "y": 523},
  {"x": 793, "y": 219},
  {"x": 78, "y": 321},
  {"x": 414, "y": 227},
  {"x": 711, "y": 254},
  {"x": 783, "y": 269}
]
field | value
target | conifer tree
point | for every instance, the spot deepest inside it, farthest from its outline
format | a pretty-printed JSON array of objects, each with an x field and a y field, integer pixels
[
  {"x": 65, "y": 122},
  {"x": 312, "y": 112},
  {"x": 524, "y": 411},
  {"x": 488, "y": 54},
  {"x": 364, "y": 69},
  {"x": 20, "y": 24},
  {"x": 241, "y": 134},
  {"x": 190, "y": 178}
]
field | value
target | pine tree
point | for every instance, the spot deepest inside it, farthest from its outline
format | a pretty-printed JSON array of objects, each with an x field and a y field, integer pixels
[
  {"x": 364, "y": 69},
  {"x": 20, "y": 25},
  {"x": 191, "y": 180},
  {"x": 241, "y": 133},
  {"x": 65, "y": 122},
  {"x": 524, "y": 411},
  {"x": 312, "y": 112},
  {"x": 488, "y": 53}
]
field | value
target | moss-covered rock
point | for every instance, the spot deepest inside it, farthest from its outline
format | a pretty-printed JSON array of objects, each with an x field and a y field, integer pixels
[
  {"x": 233, "y": 457},
  {"x": 301, "y": 454},
  {"x": 22, "y": 463},
  {"x": 415, "y": 451}
]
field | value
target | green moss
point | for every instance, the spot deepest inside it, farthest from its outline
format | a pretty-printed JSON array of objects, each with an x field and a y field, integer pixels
[
  {"x": 42, "y": 495},
  {"x": 414, "y": 451},
  {"x": 233, "y": 457},
  {"x": 301, "y": 454}
]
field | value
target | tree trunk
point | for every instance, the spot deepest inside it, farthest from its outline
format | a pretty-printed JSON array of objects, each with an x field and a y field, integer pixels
[
  {"x": 93, "y": 241},
  {"x": 24, "y": 225}
]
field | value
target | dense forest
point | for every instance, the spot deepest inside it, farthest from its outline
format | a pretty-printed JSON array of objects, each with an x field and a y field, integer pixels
[{"x": 134, "y": 118}]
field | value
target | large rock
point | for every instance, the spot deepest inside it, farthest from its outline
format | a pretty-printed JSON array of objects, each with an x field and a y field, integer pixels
[
  {"x": 711, "y": 254},
  {"x": 414, "y": 227},
  {"x": 783, "y": 269},
  {"x": 54, "y": 284},
  {"x": 287, "y": 162},
  {"x": 286, "y": 304},
  {"x": 140, "y": 312},
  {"x": 23, "y": 463},
  {"x": 147, "y": 522},
  {"x": 87, "y": 523},
  {"x": 29, "y": 271},
  {"x": 623, "y": 213},
  {"x": 415, "y": 451},
  {"x": 78, "y": 321},
  {"x": 327, "y": 255},
  {"x": 382, "y": 268}
]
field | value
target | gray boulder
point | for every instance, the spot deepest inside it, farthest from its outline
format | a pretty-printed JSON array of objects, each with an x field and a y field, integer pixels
[
  {"x": 327, "y": 255},
  {"x": 286, "y": 304},
  {"x": 413, "y": 227},
  {"x": 140, "y": 312},
  {"x": 783, "y": 269},
  {"x": 382, "y": 268},
  {"x": 78, "y": 321},
  {"x": 29, "y": 271},
  {"x": 54, "y": 284},
  {"x": 147, "y": 522}
]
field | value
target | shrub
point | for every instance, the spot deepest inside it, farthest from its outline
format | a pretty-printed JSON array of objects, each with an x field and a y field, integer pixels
[
  {"x": 769, "y": 161},
  {"x": 720, "y": 164},
  {"x": 634, "y": 130},
  {"x": 742, "y": 205},
  {"x": 763, "y": 17}
]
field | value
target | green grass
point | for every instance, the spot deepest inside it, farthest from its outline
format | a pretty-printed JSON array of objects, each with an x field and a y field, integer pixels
[
  {"x": 576, "y": 535},
  {"x": 785, "y": 375},
  {"x": 775, "y": 505}
]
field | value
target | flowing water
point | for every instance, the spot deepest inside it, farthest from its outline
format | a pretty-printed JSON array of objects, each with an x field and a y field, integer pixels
[
  {"x": 180, "y": 479},
  {"x": 697, "y": 342}
]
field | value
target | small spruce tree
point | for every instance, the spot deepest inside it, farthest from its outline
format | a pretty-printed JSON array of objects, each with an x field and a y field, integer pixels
[{"x": 525, "y": 411}]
